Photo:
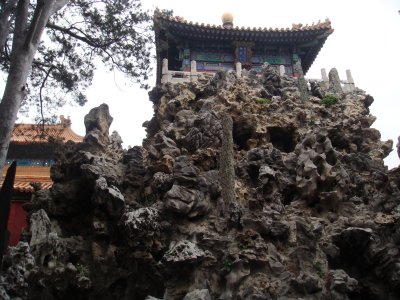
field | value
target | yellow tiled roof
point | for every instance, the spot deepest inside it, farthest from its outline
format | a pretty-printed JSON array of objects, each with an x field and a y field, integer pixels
[
  {"x": 26, "y": 175},
  {"x": 34, "y": 133}
]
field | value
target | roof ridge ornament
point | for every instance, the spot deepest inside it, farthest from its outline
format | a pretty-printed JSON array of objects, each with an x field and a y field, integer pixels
[
  {"x": 65, "y": 122},
  {"x": 227, "y": 20}
]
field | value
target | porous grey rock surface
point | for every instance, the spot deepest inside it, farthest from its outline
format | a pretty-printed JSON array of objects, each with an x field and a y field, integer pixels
[
  {"x": 334, "y": 82},
  {"x": 319, "y": 213}
]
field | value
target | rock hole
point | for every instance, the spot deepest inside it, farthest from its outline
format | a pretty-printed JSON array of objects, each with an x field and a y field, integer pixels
[
  {"x": 241, "y": 134},
  {"x": 288, "y": 194},
  {"x": 253, "y": 171},
  {"x": 339, "y": 142},
  {"x": 320, "y": 167},
  {"x": 46, "y": 260},
  {"x": 282, "y": 138},
  {"x": 118, "y": 288},
  {"x": 331, "y": 158}
]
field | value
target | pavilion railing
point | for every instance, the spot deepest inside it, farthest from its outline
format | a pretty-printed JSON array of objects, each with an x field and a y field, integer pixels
[
  {"x": 193, "y": 75},
  {"x": 347, "y": 85},
  {"x": 186, "y": 76}
]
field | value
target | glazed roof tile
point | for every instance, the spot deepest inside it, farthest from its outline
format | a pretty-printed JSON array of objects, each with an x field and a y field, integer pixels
[
  {"x": 27, "y": 175},
  {"x": 34, "y": 133},
  {"x": 295, "y": 27}
]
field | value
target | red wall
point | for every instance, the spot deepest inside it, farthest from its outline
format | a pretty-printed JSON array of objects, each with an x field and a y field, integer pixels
[{"x": 16, "y": 222}]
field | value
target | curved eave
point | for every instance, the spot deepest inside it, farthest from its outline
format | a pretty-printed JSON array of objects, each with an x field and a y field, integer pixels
[
  {"x": 208, "y": 32},
  {"x": 312, "y": 53}
]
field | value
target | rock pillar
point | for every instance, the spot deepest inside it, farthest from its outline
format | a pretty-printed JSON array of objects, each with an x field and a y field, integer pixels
[
  {"x": 231, "y": 208},
  {"x": 334, "y": 82},
  {"x": 239, "y": 69},
  {"x": 165, "y": 75},
  {"x": 301, "y": 81},
  {"x": 193, "y": 70},
  {"x": 350, "y": 81},
  {"x": 281, "y": 70},
  {"x": 325, "y": 79}
]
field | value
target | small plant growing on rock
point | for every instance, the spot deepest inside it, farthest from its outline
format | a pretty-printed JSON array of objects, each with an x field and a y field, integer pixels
[
  {"x": 329, "y": 100},
  {"x": 228, "y": 265},
  {"x": 146, "y": 199},
  {"x": 82, "y": 270},
  {"x": 263, "y": 100},
  {"x": 319, "y": 269}
]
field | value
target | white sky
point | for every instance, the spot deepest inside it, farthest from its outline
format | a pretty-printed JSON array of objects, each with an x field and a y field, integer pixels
[{"x": 366, "y": 40}]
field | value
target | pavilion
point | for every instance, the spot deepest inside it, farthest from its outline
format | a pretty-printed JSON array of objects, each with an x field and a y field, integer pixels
[{"x": 184, "y": 46}]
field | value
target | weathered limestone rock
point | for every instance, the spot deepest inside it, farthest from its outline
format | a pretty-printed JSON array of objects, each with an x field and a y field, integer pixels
[
  {"x": 231, "y": 207},
  {"x": 341, "y": 284},
  {"x": 307, "y": 284},
  {"x": 319, "y": 174},
  {"x": 398, "y": 146},
  {"x": 140, "y": 224},
  {"x": 198, "y": 295},
  {"x": 97, "y": 124},
  {"x": 14, "y": 282},
  {"x": 205, "y": 132},
  {"x": 109, "y": 198},
  {"x": 135, "y": 161},
  {"x": 186, "y": 202},
  {"x": 240, "y": 270},
  {"x": 40, "y": 227},
  {"x": 270, "y": 80},
  {"x": 301, "y": 82},
  {"x": 312, "y": 211},
  {"x": 183, "y": 251},
  {"x": 334, "y": 82}
]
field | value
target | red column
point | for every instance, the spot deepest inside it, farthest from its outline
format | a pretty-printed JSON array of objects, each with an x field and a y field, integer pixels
[{"x": 16, "y": 222}]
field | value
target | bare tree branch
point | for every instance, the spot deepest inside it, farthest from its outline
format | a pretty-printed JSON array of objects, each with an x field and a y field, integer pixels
[
  {"x": 84, "y": 38},
  {"x": 40, "y": 94}
]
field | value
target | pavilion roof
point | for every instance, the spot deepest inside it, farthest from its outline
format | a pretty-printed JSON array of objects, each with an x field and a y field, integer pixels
[
  {"x": 37, "y": 133},
  {"x": 308, "y": 38}
]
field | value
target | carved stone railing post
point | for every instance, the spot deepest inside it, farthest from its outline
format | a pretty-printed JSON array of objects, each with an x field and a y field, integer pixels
[
  {"x": 231, "y": 207},
  {"x": 334, "y": 82},
  {"x": 281, "y": 70},
  {"x": 193, "y": 70},
  {"x": 350, "y": 82},
  {"x": 325, "y": 79},
  {"x": 301, "y": 82},
  {"x": 165, "y": 75},
  {"x": 239, "y": 69}
]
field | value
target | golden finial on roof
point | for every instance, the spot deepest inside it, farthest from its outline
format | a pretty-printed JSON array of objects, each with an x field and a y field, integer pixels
[{"x": 227, "y": 20}]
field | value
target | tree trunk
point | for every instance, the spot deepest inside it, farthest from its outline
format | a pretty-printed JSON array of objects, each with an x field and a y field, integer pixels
[
  {"x": 24, "y": 48},
  {"x": 13, "y": 95}
]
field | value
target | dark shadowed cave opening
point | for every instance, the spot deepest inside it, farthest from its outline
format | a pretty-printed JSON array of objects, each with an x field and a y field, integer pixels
[
  {"x": 282, "y": 138},
  {"x": 241, "y": 134}
]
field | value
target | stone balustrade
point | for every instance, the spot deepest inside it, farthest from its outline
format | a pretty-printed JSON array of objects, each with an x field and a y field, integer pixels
[
  {"x": 193, "y": 75},
  {"x": 347, "y": 85},
  {"x": 187, "y": 76}
]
